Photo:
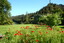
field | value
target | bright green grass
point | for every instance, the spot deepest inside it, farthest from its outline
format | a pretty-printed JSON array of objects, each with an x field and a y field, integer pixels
[
  {"x": 4, "y": 28},
  {"x": 53, "y": 36}
]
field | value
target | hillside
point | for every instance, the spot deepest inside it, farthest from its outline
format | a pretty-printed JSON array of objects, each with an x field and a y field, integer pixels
[
  {"x": 33, "y": 17},
  {"x": 51, "y": 8}
]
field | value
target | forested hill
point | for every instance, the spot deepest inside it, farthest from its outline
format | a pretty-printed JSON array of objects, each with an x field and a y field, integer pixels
[
  {"x": 51, "y": 8},
  {"x": 33, "y": 17}
]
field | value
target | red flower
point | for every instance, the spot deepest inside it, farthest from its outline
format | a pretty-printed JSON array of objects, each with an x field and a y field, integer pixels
[
  {"x": 37, "y": 40},
  {"x": 15, "y": 34},
  {"x": 32, "y": 31},
  {"x": 44, "y": 24},
  {"x": 47, "y": 26},
  {"x": 62, "y": 31},
  {"x": 50, "y": 29},
  {"x": 26, "y": 27},
  {"x": 19, "y": 32},
  {"x": 21, "y": 27},
  {"x": 46, "y": 32},
  {"x": 36, "y": 26},
  {"x": 40, "y": 32}
]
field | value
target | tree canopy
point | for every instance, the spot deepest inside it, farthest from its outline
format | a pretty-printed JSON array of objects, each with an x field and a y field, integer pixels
[{"x": 5, "y": 8}]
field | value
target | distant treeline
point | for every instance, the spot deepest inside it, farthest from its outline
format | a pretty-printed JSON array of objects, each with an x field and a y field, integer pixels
[{"x": 33, "y": 18}]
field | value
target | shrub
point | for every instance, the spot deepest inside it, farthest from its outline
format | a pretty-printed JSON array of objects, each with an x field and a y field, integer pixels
[{"x": 51, "y": 19}]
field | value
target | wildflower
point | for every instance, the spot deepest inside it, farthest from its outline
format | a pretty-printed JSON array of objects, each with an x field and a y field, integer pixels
[
  {"x": 37, "y": 40},
  {"x": 26, "y": 27},
  {"x": 19, "y": 32},
  {"x": 46, "y": 32},
  {"x": 44, "y": 24},
  {"x": 50, "y": 29},
  {"x": 32, "y": 31},
  {"x": 15, "y": 34},
  {"x": 40, "y": 32},
  {"x": 21, "y": 27},
  {"x": 47, "y": 26},
  {"x": 36, "y": 26},
  {"x": 60, "y": 29}
]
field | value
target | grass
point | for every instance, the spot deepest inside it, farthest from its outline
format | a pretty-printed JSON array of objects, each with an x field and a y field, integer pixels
[
  {"x": 31, "y": 33},
  {"x": 4, "y": 28}
]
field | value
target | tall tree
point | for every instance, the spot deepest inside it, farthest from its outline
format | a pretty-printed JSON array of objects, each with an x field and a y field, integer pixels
[
  {"x": 27, "y": 21},
  {"x": 5, "y": 8}
]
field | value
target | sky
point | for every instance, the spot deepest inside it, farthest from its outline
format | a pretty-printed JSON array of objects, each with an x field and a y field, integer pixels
[{"x": 30, "y": 6}]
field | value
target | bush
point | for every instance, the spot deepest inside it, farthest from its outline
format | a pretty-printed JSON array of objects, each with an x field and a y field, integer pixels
[{"x": 51, "y": 19}]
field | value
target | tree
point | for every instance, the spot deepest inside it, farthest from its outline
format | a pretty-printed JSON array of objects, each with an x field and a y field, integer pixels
[
  {"x": 27, "y": 20},
  {"x": 51, "y": 19},
  {"x": 5, "y": 8}
]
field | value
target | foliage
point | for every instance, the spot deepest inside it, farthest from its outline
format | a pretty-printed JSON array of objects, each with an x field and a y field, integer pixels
[
  {"x": 5, "y": 12},
  {"x": 51, "y": 19},
  {"x": 51, "y": 8},
  {"x": 34, "y": 17}
]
